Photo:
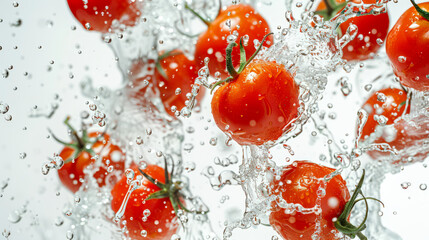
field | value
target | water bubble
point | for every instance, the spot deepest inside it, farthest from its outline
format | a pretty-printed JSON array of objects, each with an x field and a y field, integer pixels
[
  {"x": 15, "y": 4},
  {"x": 69, "y": 235},
  {"x": 423, "y": 186},
  {"x": 139, "y": 140},
  {"x": 4, "y": 107},
  {"x": 5, "y": 73},
  {"x": 405, "y": 185},
  {"x": 14, "y": 217},
  {"x": 22, "y": 155},
  {"x": 213, "y": 141},
  {"x": 143, "y": 233},
  {"x": 402, "y": 59},
  {"x": 8, "y": 117},
  {"x": 59, "y": 221},
  {"x": 368, "y": 87}
]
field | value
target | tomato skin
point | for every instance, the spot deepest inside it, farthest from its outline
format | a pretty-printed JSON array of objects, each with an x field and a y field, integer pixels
[
  {"x": 409, "y": 38},
  {"x": 299, "y": 184},
  {"x": 392, "y": 108},
  {"x": 364, "y": 45},
  {"x": 99, "y": 14},
  {"x": 72, "y": 172},
  {"x": 258, "y": 105},
  {"x": 181, "y": 73},
  {"x": 213, "y": 42},
  {"x": 161, "y": 210}
]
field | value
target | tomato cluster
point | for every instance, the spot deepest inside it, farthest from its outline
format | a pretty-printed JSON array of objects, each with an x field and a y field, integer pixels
[{"x": 255, "y": 102}]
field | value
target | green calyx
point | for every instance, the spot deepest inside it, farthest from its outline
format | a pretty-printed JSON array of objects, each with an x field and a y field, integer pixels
[
  {"x": 343, "y": 225},
  {"x": 332, "y": 8},
  {"x": 243, "y": 61},
  {"x": 422, "y": 12},
  {"x": 170, "y": 189},
  {"x": 80, "y": 144}
]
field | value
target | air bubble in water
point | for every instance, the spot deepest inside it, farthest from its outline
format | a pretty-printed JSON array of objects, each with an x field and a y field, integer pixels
[
  {"x": 8, "y": 117},
  {"x": 69, "y": 235},
  {"x": 423, "y": 186},
  {"x": 4, "y": 107},
  {"x": 22, "y": 155}
]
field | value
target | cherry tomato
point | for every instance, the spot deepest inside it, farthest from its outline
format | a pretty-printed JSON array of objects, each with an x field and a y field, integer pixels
[
  {"x": 72, "y": 173},
  {"x": 213, "y": 43},
  {"x": 364, "y": 45},
  {"x": 173, "y": 83},
  {"x": 257, "y": 106},
  {"x": 155, "y": 217},
  {"x": 181, "y": 73},
  {"x": 388, "y": 104},
  {"x": 407, "y": 47},
  {"x": 98, "y": 15},
  {"x": 300, "y": 183}
]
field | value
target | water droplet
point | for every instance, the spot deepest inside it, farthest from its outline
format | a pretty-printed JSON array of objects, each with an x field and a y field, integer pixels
[
  {"x": 423, "y": 186},
  {"x": 4, "y": 107},
  {"x": 402, "y": 59}
]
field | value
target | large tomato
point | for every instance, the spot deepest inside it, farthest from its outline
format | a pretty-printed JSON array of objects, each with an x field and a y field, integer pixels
[
  {"x": 72, "y": 173},
  {"x": 212, "y": 43},
  {"x": 257, "y": 106},
  {"x": 300, "y": 183},
  {"x": 152, "y": 219},
  {"x": 173, "y": 78},
  {"x": 98, "y": 15},
  {"x": 407, "y": 47},
  {"x": 364, "y": 45}
]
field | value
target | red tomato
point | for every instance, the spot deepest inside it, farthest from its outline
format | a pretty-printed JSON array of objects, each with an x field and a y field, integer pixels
[
  {"x": 98, "y": 15},
  {"x": 299, "y": 183},
  {"x": 181, "y": 73},
  {"x": 258, "y": 105},
  {"x": 409, "y": 137},
  {"x": 161, "y": 223},
  {"x": 72, "y": 173},
  {"x": 407, "y": 47},
  {"x": 388, "y": 102},
  {"x": 364, "y": 45},
  {"x": 212, "y": 44}
]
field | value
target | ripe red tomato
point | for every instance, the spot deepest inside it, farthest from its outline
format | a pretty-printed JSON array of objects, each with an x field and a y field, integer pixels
[
  {"x": 299, "y": 183},
  {"x": 98, "y": 15},
  {"x": 173, "y": 83},
  {"x": 155, "y": 216},
  {"x": 364, "y": 45},
  {"x": 389, "y": 103},
  {"x": 407, "y": 47},
  {"x": 213, "y": 43},
  {"x": 258, "y": 105},
  {"x": 181, "y": 73},
  {"x": 72, "y": 173}
]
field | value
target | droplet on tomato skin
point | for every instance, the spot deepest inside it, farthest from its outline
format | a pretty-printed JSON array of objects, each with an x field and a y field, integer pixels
[{"x": 402, "y": 59}]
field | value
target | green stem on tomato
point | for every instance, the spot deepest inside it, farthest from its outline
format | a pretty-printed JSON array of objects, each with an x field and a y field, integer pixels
[
  {"x": 243, "y": 62},
  {"x": 343, "y": 225},
  {"x": 205, "y": 21},
  {"x": 169, "y": 189},
  {"x": 160, "y": 58},
  {"x": 422, "y": 12},
  {"x": 329, "y": 8}
]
